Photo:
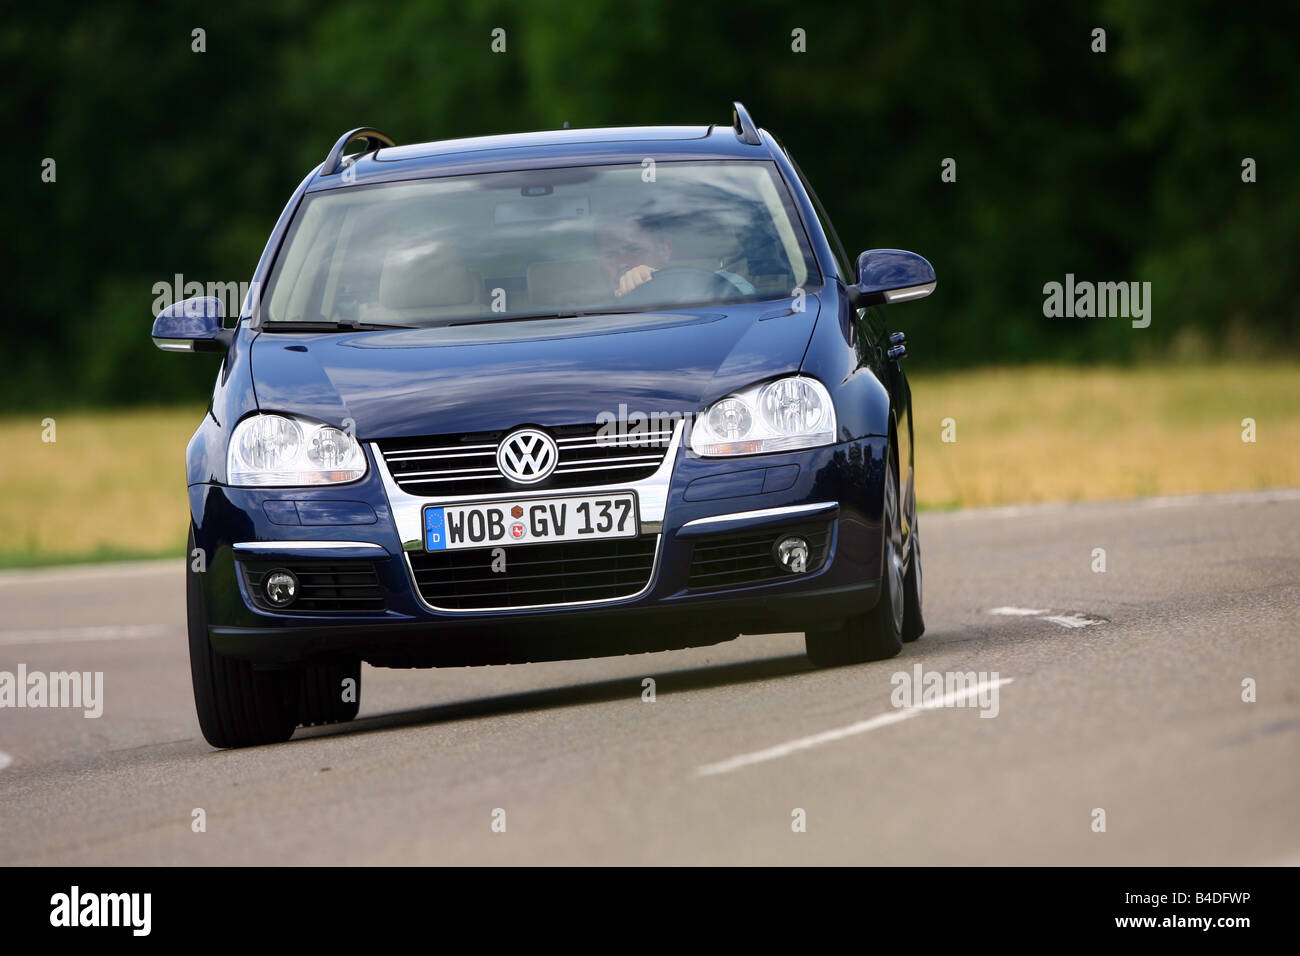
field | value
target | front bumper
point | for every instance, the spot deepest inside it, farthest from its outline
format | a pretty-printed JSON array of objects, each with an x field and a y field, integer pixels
[{"x": 841, "y": 484}]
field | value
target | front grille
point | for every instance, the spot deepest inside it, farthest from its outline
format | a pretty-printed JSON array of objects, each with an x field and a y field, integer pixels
[
  {"x": 742, "y": 558},
  {"x": 322, "y": 585},
  {"x": 563, "y": 572},
  {"x": 442, "y": 465}
]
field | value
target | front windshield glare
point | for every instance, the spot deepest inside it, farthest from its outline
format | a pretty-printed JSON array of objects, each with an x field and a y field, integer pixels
[{"x": 542, "y": 242}]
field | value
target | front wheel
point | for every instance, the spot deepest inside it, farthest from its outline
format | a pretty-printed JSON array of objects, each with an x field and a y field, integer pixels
[
  {"x": 913, "y": 621},
  {"x": 237, "y": 705},
  {"x": 877, "y": 634},
  {"x": 330, "y": 691}
]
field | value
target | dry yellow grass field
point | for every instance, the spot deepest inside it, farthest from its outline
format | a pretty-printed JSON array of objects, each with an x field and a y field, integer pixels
[
  {"x": 1083, "y": 434},
  {"x": 112, "y": 484}
]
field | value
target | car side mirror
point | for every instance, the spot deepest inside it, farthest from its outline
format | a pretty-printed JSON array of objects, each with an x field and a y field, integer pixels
[
  {"x": 891, "y": 275},
  {"x": 193, "y": 325}
]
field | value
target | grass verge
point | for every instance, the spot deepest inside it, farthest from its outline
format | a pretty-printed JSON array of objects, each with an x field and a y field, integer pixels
[
  {"x": 1084, "y": 434},
  {"x": 110, "y": 486}
]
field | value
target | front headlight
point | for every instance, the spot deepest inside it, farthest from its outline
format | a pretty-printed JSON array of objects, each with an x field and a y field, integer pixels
[
  {"x": 280, "y": 450},
  {"x": 783, "y": 415}
]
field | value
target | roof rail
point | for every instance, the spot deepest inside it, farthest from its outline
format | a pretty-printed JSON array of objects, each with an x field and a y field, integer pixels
[
  {"x": 374, "y": 139},
  {"x": 744, "y": 126}
]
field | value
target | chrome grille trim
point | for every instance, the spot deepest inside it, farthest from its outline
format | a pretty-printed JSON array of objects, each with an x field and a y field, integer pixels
[
  {"x": 415, "y": 455},
  {"x": 648, "y": 439},
  {"x": 446, "y": 462},
  {"x": 600, "y": 461},
  {"x": 602, "y": 464},
  {"x": 651, "y": 493}
]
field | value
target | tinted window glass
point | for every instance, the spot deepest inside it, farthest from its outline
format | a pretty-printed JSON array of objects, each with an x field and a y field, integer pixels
[{"x": 537, "y": 242}]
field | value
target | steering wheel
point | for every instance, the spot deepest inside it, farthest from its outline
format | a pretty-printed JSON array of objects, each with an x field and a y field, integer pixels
[{"x": 682, "y": 284}]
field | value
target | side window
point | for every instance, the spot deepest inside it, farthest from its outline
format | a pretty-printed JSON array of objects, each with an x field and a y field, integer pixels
[{"x": 842, "y": 259}]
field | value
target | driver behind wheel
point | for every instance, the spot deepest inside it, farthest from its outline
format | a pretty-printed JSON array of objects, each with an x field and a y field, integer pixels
[
  {"x": 633, "y": 250},
  {"x": 632, "y": 254}
]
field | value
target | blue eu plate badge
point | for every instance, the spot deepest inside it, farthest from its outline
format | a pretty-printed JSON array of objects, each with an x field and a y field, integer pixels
[{"x": 435, "y": 536}]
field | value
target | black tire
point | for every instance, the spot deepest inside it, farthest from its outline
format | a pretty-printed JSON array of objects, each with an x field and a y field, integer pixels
[
  {"x": 321, "y": 691},
  {"x": 877, "y": 634},
  {"x": 913, "y": 621},
  {"x": 237, "y": 705}
]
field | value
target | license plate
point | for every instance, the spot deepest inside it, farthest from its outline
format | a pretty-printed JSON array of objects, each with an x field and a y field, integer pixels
[{"x": 530, "y": 521}]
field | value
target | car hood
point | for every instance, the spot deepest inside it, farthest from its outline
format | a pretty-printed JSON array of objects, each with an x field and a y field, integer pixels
[{"x": 549, "y": 372}]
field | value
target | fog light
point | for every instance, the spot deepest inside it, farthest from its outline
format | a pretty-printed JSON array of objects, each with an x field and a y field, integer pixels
[
  {"x": 792, "y": 554},
  {"x": 281, "y": 587}
]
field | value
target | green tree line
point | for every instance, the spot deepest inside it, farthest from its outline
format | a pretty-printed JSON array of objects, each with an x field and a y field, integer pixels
[{"x": 1122, "y": 165}]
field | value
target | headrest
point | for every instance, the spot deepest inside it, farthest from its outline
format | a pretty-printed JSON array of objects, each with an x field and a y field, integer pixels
[{"x": 432, "y": 275}]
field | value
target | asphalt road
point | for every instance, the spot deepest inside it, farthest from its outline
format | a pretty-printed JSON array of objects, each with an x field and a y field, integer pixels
[{"x": 1122, "y": 692}]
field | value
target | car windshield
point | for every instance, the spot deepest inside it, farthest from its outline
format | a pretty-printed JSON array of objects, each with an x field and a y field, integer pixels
[{"x": 544, "y": 242}]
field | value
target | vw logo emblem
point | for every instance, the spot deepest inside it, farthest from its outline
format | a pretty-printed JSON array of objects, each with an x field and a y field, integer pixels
[{"x": 527, "y": 456}]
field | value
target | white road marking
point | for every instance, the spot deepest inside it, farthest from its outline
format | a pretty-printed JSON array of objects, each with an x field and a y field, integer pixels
[
  {"x": 850, "y": 730},
  {"x": 1072, "y": 620},
  {"x": 5, "y": 760},
  {"x": 107, "y": 632}
]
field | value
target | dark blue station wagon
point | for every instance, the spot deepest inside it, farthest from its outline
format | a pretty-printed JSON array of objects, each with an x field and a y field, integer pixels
[{"x": 544, "y": 396}]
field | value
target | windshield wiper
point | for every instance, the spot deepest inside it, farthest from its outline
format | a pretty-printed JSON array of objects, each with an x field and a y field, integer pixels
[
  {"x": 534, "y": 316},
  {"x": 330, "y": 326},
  {"x": 346, "y": 326}
]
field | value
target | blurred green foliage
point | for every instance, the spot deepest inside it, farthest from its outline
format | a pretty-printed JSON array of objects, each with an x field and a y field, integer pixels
[{"x": 1115, "y": 166}]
